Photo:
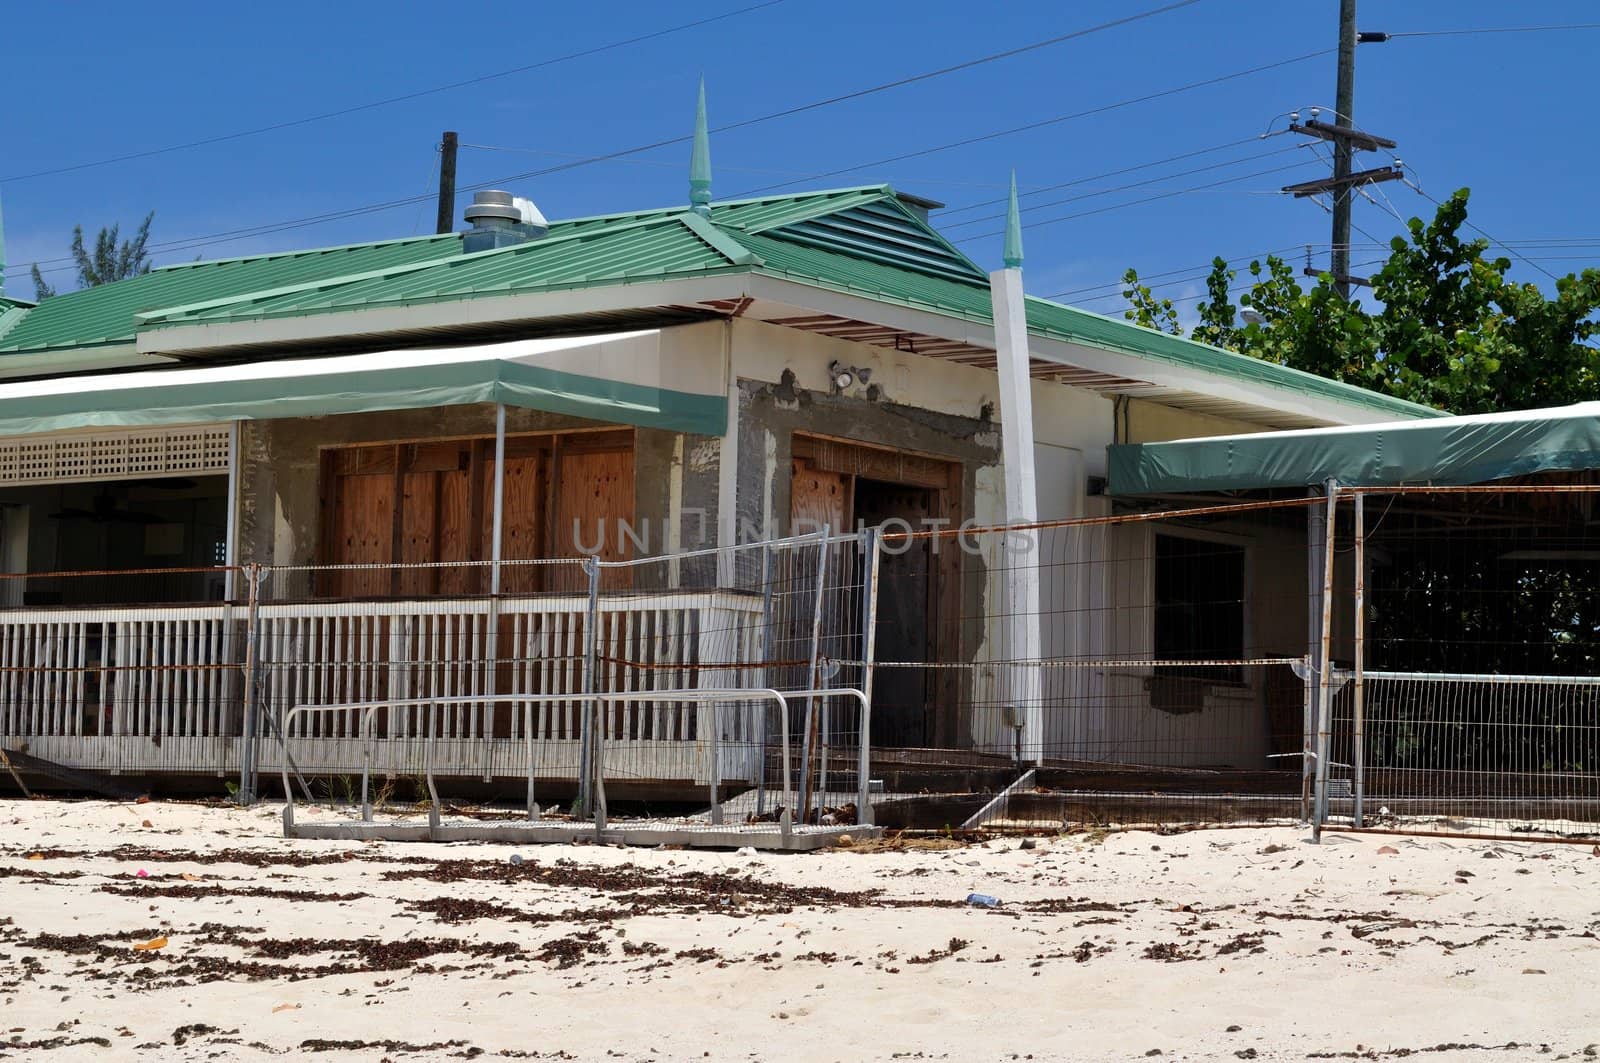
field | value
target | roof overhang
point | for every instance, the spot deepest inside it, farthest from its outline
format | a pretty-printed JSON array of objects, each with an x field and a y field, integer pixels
[
  {"x": 791, "y": 302},
  {"x": 1445, "y": 451},
  {"x": 617, "y": 378}
]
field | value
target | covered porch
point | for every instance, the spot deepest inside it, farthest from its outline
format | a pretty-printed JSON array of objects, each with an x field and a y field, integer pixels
[{"x": 191, "y": 553}]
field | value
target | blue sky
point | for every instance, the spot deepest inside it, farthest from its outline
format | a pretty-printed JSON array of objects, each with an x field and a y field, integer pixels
[{"x": 91, "y": 80}]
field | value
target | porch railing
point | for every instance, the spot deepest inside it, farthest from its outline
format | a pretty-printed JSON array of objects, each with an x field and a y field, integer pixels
[{"x": 163, "y": 688}]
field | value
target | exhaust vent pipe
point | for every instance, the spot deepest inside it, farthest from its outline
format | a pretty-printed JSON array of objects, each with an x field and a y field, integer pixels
[{"x": 500, "y": 219}]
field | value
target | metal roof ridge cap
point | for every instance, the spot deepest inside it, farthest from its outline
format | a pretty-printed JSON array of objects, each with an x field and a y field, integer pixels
[
  {"x": 719, "y": 241},
  {"x": 659, "y": 212},
  {"x": 10, "y": 316},
  {"x": 826, "y": 203},
  {"x": 262, "y": 256},
  {"x": 152, "y": 316},
  {"x": 144, "y": 316}
]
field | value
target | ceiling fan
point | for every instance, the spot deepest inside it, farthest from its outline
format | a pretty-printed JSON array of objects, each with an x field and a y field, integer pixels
[{"x": 105, "y": 511}]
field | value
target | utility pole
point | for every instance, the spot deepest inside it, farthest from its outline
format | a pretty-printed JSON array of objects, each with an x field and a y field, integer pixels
[
  {"x": 1346, "y": 140},
  {"x": 1345, "y": 105},
  {"x": 447, "y": 183}
]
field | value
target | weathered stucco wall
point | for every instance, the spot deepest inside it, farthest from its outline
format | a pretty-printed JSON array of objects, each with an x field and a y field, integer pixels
[{"x": 911, "y": 402}]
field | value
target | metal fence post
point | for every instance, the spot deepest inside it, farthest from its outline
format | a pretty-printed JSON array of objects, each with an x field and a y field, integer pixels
[
  {"x": 252, "y": 664},
  {"x": 1306, "y": 670},
  {"x": 808, "y": 745},
  {"x": 869, "y": 649},
  {"x": 764, "y": 678},
  {"x": 1325, "y": 670},
  {"x": 590, "y": 794},
  {"x": 1358, "y": 759}
]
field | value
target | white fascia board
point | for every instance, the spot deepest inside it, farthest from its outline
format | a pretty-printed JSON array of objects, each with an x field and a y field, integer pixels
[
  {"x": 490, "y": 310},
  {"x": 1099, "y": 359},
  {"x": 74, "y": 360}
]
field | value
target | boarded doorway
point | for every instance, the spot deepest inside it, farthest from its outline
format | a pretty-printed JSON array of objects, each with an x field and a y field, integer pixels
[
  {"x": 847, "y": 486},
  {"x": 431, "y": 501}
]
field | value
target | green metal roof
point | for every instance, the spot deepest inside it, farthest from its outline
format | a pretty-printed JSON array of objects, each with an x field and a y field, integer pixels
[
  {"x": 861, "y": 240},
  {"x": 679, "y": 244},
  {"x": 105, "y": 314}
]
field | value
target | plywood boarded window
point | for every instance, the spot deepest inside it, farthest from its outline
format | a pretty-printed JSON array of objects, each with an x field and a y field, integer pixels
[{"x": 433, "y": 501}]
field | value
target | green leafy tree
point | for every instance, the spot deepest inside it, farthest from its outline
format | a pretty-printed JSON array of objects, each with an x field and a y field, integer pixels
[
  {"x": 1145, "y": 309},
  {"x": 109, "y": 261},
  {"x": 1451, "y": 329}
]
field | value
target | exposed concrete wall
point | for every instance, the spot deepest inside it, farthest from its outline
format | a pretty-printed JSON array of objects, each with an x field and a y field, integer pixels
[{"x": 911, "y": 402}]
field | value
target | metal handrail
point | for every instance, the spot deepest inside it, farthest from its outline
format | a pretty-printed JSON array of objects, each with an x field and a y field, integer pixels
[{"x": 694, "y": 695}]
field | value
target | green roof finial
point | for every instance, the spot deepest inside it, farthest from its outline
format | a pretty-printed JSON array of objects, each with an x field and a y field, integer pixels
[
  {"x": 1013, "y": 249},
  {"x": 700, "y": 160},
  {"x": 2, "y": 249}
]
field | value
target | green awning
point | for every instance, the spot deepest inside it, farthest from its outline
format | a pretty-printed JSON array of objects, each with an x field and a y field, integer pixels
[
  {"x": 1447, "y": 451},
  {"x": 613, "y": 378}
]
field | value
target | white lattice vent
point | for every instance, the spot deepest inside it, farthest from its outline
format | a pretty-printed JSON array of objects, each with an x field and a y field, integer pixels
[{"x": 118, "y": 456}]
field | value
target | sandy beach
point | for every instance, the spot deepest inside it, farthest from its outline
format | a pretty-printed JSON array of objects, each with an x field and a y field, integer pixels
[{"x": 1222, "y": 944}]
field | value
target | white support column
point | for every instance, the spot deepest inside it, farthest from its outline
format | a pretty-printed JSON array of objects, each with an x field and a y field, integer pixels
[
  {"x": 727, "y": 529},
  {"x": 1021, "y": 556},
  {"x": 491, "y": 650},
  {"x": 499, "y": 496}
]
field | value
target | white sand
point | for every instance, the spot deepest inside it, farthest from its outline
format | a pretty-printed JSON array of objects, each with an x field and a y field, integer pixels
[{"x": 1385, "y": 951}]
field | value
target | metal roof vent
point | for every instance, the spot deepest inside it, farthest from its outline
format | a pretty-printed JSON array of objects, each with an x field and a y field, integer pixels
[{"x": 499, "y": 219}]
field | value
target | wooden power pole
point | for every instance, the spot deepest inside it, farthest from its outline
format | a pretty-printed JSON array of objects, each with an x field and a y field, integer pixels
[
  {"x": 447, "y": 183},
  {"x": 1345, "y": 105},
  {"x": 1346, "y": 140}
]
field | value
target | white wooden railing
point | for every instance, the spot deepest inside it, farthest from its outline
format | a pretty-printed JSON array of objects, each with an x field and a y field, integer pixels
[
  {"x": 162, "y": 688},
  {"x": 153, "y": 671}
]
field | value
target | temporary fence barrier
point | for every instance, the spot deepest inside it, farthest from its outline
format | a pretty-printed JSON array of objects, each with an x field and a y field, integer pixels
[
  {"x": 1168, "y": 670},
  {"x": 1470, "y": 702},
  {"x": 711, "y": 828}
]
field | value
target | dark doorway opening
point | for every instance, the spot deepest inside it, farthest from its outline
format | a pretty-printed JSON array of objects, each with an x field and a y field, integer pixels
[
  {"x": 902, "y": 698},
  {"x": 841, "y": 484}
]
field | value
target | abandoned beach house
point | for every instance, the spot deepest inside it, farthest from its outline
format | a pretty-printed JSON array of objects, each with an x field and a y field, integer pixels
[{"x": 722, "y": 444}]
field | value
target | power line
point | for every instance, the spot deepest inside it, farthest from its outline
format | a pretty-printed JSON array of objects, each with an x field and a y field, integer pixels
[
  {"x": 1138, "y": 202},
  {"x": 1134, "y": 184},
  {"x": 1056, "y": 120},
  {"x": 969, "y": 64},
  {"x": 1495, "y": 29},
  {"x": 667, "y": 142},
  {"x": 1168, "y": 273},
  {"x": 946, "y": 212},
  {"x": 765, "y": 171},
  {"x": 1480, "y": 230},
  {"x": 326, "y": 115},
  {"x": 845, "y": 97}
]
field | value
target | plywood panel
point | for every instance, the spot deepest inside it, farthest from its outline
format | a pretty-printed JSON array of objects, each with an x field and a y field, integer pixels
[
  {"x": 818, "y": 498},
  {"x": 363, "y": 531},
  {"x": 523, "y": 522},
  {"x": 419, "y": 525},
  {"x": 455, "y": 534},
  {"x": 593, "y": 500}
]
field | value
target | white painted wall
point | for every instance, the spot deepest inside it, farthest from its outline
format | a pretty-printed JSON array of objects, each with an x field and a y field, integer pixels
[{"x": 1098, "y": 581}]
